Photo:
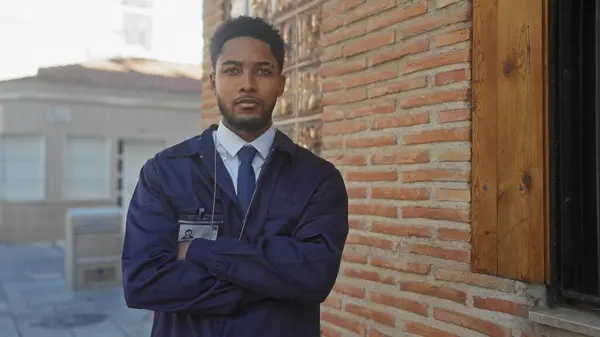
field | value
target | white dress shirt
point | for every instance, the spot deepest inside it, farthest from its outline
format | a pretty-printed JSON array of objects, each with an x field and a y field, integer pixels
[{"x": 228, "y": 144}]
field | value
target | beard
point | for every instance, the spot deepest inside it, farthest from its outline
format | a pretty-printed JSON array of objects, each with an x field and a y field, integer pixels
[{"x": 248, "y": 124}]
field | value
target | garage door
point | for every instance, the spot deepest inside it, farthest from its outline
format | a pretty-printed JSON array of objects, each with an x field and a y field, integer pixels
[{"x": 135, "y": 154}]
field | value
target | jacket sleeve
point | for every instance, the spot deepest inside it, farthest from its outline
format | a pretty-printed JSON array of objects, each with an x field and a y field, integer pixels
[
  {"x": 153, "y": 278},
  {"x": 302, "y": 267}
]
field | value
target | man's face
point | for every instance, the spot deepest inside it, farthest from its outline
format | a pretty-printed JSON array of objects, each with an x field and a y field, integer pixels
[{"x": 247, "y": 82}]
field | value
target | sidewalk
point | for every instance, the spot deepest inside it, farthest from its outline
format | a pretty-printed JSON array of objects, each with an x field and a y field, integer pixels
[{"x": 35, "y": 301}]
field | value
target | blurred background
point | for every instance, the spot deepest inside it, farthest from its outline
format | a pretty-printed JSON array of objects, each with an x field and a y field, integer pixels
[{"x": 89, "y": 90}]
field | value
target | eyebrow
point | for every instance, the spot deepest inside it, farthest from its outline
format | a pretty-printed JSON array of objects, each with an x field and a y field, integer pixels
[{"x": 239, "y": 63}]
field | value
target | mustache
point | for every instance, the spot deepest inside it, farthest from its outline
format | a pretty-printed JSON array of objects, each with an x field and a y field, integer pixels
[{"x": 248, "y": 99}]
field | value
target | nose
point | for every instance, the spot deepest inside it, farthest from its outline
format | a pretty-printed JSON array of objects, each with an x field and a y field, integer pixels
[{"x": 247, "y": 82}]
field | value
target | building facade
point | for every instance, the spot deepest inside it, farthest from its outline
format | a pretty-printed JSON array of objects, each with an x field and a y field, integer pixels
[
  {"x": 67, "y": 32},
  {"x": 77, "y": 136},
  {"x": 441, "y": 115}
]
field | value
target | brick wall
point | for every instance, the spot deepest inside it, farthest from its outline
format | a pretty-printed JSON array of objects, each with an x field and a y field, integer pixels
[{"x": 396, "y": 81}]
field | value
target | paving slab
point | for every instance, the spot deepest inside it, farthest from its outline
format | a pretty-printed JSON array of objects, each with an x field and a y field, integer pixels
[{"x": 35, "y": 300}]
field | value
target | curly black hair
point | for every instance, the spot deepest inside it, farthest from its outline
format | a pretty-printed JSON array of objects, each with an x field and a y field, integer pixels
[{"x": 248, "y": 27}]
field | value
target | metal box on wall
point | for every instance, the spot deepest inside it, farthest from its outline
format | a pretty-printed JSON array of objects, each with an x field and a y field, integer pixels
[{"x": 93, "y": 244}]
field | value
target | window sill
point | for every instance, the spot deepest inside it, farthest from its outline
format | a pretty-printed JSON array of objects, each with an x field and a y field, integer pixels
[{"x": 583, "y": 322}]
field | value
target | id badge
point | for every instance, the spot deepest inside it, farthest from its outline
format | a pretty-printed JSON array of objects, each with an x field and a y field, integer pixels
[{"x": 189, "y": 231}]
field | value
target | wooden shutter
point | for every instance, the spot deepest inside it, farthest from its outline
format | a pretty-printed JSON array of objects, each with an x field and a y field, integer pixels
[{"x": 508, "y": 163}]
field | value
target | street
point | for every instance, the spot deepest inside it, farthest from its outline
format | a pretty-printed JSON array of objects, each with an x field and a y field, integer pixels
[{"x": 35, "y": 301}]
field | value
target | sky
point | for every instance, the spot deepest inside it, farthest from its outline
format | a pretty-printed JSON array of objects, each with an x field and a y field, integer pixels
[{"x": 40, "y": 33}]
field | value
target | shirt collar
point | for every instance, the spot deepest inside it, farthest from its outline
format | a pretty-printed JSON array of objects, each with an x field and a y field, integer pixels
[{"x": 232, "y": 143}]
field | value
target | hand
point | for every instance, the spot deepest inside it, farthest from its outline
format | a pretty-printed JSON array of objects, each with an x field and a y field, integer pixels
[{"x": 183, "y": 248}]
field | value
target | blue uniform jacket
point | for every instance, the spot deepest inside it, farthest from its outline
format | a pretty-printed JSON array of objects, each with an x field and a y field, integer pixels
[{"x": 268, "y": 284}]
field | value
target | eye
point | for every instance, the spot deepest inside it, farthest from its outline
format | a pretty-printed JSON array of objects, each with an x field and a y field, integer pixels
[
  {"x": 264, "y": 71},
  {"x": 231, "y": 71}
]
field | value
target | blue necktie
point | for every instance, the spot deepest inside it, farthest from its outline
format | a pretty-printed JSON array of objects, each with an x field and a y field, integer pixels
[{"x": 246, "y": 182}]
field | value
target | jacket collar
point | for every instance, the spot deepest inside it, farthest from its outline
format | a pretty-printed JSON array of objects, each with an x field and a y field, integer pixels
[
  {"x": 204, "y": 145},
  {"x": 232, "y": 143}
]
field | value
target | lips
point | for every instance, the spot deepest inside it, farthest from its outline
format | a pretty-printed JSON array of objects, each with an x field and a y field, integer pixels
[{"x": 247, "y": 103}]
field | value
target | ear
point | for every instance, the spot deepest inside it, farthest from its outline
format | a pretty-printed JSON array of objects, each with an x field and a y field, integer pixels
[
  {"x": 213, "y": 81},
  {"x": 282, "y": 85}
]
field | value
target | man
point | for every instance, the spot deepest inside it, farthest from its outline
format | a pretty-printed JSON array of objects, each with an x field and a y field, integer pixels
[{"x": 281, "y": 212}]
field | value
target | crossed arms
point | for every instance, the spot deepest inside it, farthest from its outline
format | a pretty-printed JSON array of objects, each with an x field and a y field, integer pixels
[{"x": 217, "y": 277}]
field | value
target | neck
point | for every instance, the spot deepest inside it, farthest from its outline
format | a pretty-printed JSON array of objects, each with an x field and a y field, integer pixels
[{"x": 248, "y": 136}]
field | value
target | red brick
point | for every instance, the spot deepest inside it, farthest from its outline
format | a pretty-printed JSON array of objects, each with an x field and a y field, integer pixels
[
  {"x": 349, "y": 290},
  {"x": 369, "y": 241},
  {"x": 354, "y": 258},
  {"x": 357, "y": 310},
  {"x": 370, "y": 8},
  {"x": 372, "y": 176},
  {"x": 356, "y": 224},
  {"x": 333, "y": 302},
  {"x": 397, "y": 16},
  {"x": 500, "y": 305},
  {"x": 378, "y": 108},
  {"x": 446, "y": 214},
  {"x": 370, "y": 142},
  {"x": 425, "y": 330},
  {"x": 399, "y": 230},
  {"x": 342, "y": 68},
  {"x": 436, "y": 136},
  {"x": 452, "y": 37},
  {"x": 444, "y": 194},
  {"x": 368, "y": 275},
  {"x": 433, "y": 98},
  {"x": 347, "y": 96},
  {"x": 400, "y": 303},
  {"x": 384, "y": 55},
  {"x": 332, "y": 85},
  {"x": 377, "y": 333},
  {"x": 422, "y": 26},
  {"x": 434, "y": 291},
  {"x": 437, "y": 60},
  {"x": 372, "y": 76},
  {"x": 401, "y": 121},
  {"x": 456, "y": 115},
  {"x": 373, "y": 209},
  {"x": 398, "y": 265},
  {"x": 332, "y": 113},
  {"x": 332, "y": 23},
  {"x": 451, "y": 234},
  {"x": 400, "y": 86},
  {"x": 453, "y": 155},
  {"x": 401, "y": 157},
  {"x": 472, "y": 323},
  {"x": 435, "y": 175},
  {"x": 357, "y": 192},
  {"x": 329, "y": 332},
  {"x": 331, "y": 53},
  {"x": 341, "y": 6},
  {"x": 438, "y": 252},
  {"x": 369, "y": 42},
  {"x": 345, "y": 33},
  {"x": 400, "y": 193},
  {"x": 348, "y": 160},
  {"x": 343, "y": 322},
  {"x": 445, "y": 3},
  {"x": 332, "y": 143},
  {"x": 382, "y": 318},
  {"x": 343, "y": 128},
  {"x": 478, "y": 280},
  {"x": 455, "y": 76}
]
